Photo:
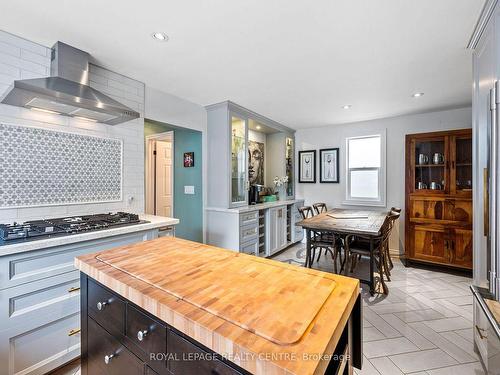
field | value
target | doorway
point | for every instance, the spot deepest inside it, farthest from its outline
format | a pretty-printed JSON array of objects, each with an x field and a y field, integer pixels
[{"x": 159, "y": 174}]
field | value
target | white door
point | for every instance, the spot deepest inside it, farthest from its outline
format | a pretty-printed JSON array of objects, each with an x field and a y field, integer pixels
[{"x": 164, "y": 170}]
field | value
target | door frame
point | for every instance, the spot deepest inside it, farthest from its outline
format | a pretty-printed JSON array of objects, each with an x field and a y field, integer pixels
[{"x": 150, "y": 171}]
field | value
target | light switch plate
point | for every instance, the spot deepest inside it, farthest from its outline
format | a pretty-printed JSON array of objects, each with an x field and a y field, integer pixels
[{"x": 188, "y": 189}]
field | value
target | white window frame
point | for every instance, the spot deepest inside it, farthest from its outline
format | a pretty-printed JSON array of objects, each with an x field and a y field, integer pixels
[{"x": 380, "y": 201}]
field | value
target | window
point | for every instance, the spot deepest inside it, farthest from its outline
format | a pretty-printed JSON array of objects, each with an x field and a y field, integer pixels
[{"x": 366, "y": 170}]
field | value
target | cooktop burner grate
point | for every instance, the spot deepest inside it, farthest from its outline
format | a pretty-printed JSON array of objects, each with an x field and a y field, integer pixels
[{"x": 64, "y": 226}]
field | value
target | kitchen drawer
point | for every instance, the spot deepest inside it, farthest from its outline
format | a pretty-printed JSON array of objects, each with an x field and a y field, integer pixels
[
  {"x": 148, "y": 335},
  {"x": 251, "y": 247},
  {"x": 249, "y": 218},
  {"x": 39, "y": 347},
  {"x": 40, "y": 302},
  {"x": 106, "y": 355},
  {"x": 106, "y": 308},
  {"x": 249, "y": 232},
  {"x": 191, "y": 359},
  {"x": 20, "y": 268}
]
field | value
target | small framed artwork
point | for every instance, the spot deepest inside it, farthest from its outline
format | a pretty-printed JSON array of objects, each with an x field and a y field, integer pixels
[
  {"x": 188, "y": 159},
  {"x": 329, "y": 165},
  {"x": 307, "y": 166}
]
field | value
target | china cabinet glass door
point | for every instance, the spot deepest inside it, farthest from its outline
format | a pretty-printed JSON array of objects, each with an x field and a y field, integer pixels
[
  {"x": 289, "y": 166},
  {"x": 429, "y": 160},
  {"x": 239, "y": 174},
  {"x": 461, "y": 168}
]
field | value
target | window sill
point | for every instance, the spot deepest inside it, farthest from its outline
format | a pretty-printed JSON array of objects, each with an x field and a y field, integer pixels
[{"x": 364, "y": 203}]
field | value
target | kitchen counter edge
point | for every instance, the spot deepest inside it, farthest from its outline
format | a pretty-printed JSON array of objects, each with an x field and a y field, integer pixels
[{"x": 154, "y": 222}]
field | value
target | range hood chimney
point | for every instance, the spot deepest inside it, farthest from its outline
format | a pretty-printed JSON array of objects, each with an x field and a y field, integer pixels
[{"x": 67, "y": 91}]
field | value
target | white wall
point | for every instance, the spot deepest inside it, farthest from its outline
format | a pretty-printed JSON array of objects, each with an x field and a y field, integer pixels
[
  {"x": 396, "y": 128},
  {"x": 170, "y": 109},
  {"x": 20, "y": 59}
]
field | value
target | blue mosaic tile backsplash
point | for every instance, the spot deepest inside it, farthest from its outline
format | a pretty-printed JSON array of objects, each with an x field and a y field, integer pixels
[{"x": 41, "y": 167}]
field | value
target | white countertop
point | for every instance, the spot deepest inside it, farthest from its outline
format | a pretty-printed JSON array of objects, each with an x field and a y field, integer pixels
[
  {"x": 154, "y": 223},
  {"x": 254, "y": 207}
]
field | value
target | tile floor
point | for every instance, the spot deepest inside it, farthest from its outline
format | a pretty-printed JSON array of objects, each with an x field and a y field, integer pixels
[{"x": 423, "y": 327}]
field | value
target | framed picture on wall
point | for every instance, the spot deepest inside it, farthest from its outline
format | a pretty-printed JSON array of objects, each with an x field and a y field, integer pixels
[
  {"x": 188, "y": 159},
  {"x": 307, "y": 166},
  {"x": 329, "y": 165}
]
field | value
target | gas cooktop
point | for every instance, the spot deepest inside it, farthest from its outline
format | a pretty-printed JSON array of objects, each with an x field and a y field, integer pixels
[{"x": 65, "y": 226}]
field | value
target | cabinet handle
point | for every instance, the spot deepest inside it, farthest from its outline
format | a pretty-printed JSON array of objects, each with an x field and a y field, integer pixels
[
  {"x": 108, "y": 358},
  {"x": 73, "y": 289},
  {"x": 101, "y": 305},
  {"x": 480, "y": 332},
  {"x": 74, "y": 331},
  {"x": 142, "y": 334}
]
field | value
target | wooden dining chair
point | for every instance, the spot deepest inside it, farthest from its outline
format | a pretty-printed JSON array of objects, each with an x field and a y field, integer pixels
[
  {"x": 305, "y": 212},
  {"x": 321, "y": 241},
  {"x": 393, "y": 216},
  {"x": 357, "y": 246},
  {"x": 319, "y": 208}
]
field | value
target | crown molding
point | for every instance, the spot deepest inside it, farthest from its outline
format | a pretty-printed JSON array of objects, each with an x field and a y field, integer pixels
[{"x": 482, "y": 23}]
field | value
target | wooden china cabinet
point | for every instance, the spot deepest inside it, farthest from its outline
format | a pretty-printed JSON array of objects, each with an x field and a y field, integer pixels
[{"x": 438, "y": 226}]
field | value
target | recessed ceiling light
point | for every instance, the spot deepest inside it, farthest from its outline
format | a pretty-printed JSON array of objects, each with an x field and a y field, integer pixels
[
  {"x": 347, "y": 106},
  {"x": 418, "y": 94},
  {"x": 258, "y": 127},
  {"x": 160, "y": 36}
]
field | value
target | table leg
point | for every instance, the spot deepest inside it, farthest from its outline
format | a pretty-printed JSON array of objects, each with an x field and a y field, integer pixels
[
  {"x": 308, "y": 248},
  {"x": 372, "y": 282}
]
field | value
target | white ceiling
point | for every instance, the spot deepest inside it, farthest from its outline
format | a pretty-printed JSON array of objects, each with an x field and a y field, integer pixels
[{"x": 296, "y": 62}]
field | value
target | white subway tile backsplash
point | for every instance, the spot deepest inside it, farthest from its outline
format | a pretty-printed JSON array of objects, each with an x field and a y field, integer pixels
[
  {"x": 23, "y": 64},
  {"x": 36, "y": 58},
  {"x": 10, "y": 70},
  {"x": 26, "y": 74},
  {"x": 10, "y": 49},
  {"x": 23, "y": 43},
  {"x": 6, "y": 79}
]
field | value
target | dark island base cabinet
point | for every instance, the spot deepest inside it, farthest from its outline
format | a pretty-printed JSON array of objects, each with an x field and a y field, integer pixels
[{"x": 119, "y": 338}]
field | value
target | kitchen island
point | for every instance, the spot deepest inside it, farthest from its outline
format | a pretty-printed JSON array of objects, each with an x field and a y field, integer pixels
[{"x": 171, "y": 306}]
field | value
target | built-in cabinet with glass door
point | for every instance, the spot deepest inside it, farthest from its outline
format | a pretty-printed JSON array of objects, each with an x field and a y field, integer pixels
[
  {"x": 246, "y": 148},
  {"x": 439, "y": 198},
  {"x": 239, "y": 160},
  {"x": 231, "y": 129}
]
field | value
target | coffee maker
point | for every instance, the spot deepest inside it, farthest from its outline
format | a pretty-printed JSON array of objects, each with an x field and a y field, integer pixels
[{"x": 254, "y": 194}]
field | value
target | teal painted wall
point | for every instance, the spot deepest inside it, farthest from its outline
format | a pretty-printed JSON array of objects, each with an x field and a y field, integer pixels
[{"x": 187, "y": 208}]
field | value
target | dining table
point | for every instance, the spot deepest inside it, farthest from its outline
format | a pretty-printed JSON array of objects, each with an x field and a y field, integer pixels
[{"x": 341, "y": 223}]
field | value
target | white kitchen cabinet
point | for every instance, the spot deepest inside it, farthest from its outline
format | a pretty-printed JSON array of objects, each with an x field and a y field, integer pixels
[
  {"x": 259, "y": 230},
  {"x": 276, "y": 230}
]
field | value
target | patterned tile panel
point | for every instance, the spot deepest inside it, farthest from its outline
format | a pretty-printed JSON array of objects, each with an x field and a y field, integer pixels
[{"x": 44, "y": 167}]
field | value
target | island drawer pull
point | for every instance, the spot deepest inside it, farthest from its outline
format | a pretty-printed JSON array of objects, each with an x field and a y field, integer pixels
[
  {"x": 142, "y": 334},
  {"x": 74, "y": 331},
  {"x": 73, "y": 289},
  {"x": 108, "y": 358},
  {"x": 101, "y": 305}
]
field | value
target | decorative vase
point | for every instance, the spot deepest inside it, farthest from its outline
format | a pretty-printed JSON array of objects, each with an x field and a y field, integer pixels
[{"x": 281, "y": 192}]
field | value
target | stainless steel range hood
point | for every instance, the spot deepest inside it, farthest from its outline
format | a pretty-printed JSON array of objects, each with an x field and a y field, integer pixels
[{"x": 67, "y": 91}]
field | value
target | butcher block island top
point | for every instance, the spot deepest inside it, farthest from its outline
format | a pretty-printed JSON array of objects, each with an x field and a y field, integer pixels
[{"x": 263, "y": 315}]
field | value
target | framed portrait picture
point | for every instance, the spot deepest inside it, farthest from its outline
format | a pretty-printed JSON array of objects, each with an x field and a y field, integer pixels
[
  {"x": 188, "y": 159},
  {"x": 307, "y": 166},
  {"x": 329, "y": 165}
]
